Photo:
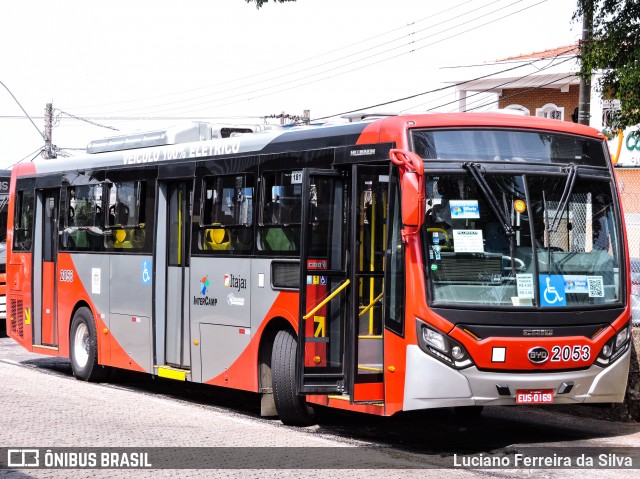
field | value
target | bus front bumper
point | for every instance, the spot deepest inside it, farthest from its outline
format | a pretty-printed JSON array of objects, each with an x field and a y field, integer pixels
[{"x": 432, "y": 384}]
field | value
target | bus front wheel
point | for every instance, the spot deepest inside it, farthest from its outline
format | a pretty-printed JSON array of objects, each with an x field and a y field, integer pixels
[
  {"x": 292, "y": 409},
  {"x": 83, "y": 344}
]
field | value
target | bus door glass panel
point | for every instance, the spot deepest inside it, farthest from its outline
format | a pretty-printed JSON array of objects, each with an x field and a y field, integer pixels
[
  {"x": 324, "y": 303},
  {"x": 177, "y": 323},
  {"x": 370, "y": 241},
  {"x": 49, "y": 250},
  {"x": 23, "y": 234}
]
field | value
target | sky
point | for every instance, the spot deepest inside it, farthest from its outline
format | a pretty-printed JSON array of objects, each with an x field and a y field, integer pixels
[{"x": 120, "y": 66}]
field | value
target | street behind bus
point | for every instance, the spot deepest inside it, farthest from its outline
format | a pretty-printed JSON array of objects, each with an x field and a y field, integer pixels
[{"x": 44, "y": 406}]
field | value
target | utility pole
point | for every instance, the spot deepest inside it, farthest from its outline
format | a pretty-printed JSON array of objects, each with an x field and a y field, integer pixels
[
  {"x": 48, "y": 152},
  {"x": 584, "y": 99}
]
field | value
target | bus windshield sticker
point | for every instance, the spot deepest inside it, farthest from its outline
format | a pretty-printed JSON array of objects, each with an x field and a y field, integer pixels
[
  {"x": 575, "y": 284},
  {"x": 596, "y": 286},
  {"x": 517, "y": 301},
  {"x": 552, "y": 290},
  {"x": 524, "y": 283},
  {"x": 462, "y": 209},
  {"x": 468, "y": 241}
]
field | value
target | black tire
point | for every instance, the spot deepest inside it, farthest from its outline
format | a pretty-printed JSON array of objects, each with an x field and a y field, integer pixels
[
  {"x": 83, "y": 348},
  {"x": 292, "y": 409}
]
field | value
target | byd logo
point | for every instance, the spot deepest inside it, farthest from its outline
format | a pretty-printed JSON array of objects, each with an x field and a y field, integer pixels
[
  {"x": 538, "y": 355},
  {"x": 633, "y": 142}
]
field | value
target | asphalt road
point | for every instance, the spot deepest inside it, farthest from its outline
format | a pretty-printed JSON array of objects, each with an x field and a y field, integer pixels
[{"x": 43, "y": 406}]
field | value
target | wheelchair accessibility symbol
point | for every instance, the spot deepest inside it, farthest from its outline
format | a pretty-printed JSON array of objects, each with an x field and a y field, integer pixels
[
  {"x": 552, "y": 290},
  {"x": 146, "y": 272}
]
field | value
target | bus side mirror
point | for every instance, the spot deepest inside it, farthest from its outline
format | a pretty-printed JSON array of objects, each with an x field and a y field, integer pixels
[
  {"x": 413, "y": 204},
  {"x": 412, "y": 184}
]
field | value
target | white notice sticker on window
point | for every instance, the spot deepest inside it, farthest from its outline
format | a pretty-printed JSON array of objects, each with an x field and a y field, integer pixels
[
  {"x": 468, "y": 241},
  {"x": 525, "y": 285}
]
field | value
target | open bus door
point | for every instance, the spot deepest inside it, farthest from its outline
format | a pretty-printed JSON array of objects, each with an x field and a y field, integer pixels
[
  {"x": 342, "y": 282},
  {"x": 324, "y": 284}
]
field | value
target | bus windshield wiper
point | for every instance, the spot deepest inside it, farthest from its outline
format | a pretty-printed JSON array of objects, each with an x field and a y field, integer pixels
[
  {"x": 564, "y": 199},
  {"x": 475, "y": 171}
]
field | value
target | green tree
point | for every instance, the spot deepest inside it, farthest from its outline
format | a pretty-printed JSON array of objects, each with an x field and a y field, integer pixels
[
  {"x": 259, "y": 3},
  {"x": 615, "y": 51}
]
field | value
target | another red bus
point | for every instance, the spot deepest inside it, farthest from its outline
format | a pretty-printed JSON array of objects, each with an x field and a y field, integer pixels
[
  {"x": 391, "y": 264},
  {"x": 5, "y": 177}
]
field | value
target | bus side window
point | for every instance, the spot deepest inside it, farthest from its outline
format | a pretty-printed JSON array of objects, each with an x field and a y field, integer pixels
[
  {"x": 127, "y": 220},
  {"x": 226, "y": 225}
]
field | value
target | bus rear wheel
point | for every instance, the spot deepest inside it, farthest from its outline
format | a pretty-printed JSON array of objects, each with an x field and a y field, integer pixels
[
  {"x": 292, "y": 409},
  {"x": 83, "y": 345}
]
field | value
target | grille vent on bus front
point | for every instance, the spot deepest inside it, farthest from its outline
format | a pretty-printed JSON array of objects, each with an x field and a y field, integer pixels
[
  {"x": 285, "y": 274},
  {"x": 17, "y": 317},
  {"x": 468, "y": 267}
]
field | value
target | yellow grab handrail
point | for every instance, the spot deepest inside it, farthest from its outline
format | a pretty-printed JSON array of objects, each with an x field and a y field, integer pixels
[
  {"x": 364, "y": 311},
  {"x": 327, "y": 299}
]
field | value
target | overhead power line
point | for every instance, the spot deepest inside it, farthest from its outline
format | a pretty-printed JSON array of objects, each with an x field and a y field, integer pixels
[
  {"x": 86, "y": 120},
  {"x": 24, "y": 111},
  {"x": 313, "y": 58},
  {"x": 428, "y": 91},
  {"x": 196, "y": 104}
]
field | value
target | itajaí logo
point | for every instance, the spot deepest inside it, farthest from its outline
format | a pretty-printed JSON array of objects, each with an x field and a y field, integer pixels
[
  {"x": 204, "y": 300},
  {"x": 233, "y": 281}
]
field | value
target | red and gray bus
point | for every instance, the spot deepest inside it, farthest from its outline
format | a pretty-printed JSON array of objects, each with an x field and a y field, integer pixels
[{"x": 389, "y": 264}]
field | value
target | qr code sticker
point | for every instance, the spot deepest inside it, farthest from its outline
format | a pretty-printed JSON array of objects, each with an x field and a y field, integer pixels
[{"x": 596, "y": 286}]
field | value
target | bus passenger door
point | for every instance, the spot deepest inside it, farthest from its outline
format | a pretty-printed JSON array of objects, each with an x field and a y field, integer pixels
[
  {"x": 44, "y": 281},
  {"x": 172, "y": 270},
  {"x": 369, "y": 222},
  {"x": 324, "y": 284}
]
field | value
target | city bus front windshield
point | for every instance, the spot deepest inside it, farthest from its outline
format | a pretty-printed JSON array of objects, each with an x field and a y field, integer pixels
[{"x": 526, "y": 241}]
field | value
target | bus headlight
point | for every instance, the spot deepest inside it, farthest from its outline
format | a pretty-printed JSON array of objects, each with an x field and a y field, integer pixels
[
  {"x": 442, "y": 347},
  {"x": 615, "y": 347},
  {"x": 435, "y": 339},
  {"x": 623, "y": 336}
]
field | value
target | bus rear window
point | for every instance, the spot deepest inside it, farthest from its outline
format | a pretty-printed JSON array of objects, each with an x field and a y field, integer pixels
[{"x": 508, "y": 145}]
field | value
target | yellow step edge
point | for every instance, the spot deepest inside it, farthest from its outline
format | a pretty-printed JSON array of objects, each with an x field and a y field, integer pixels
[
  {"x": 51, "y": 348},
  {"x": 347, "y": 398},
  {"x": 340, "y": 398},
  {"x": 368, "y": 368},
  {"x": 172, "y": 373},
  {"x": 369, "y": 336}
]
